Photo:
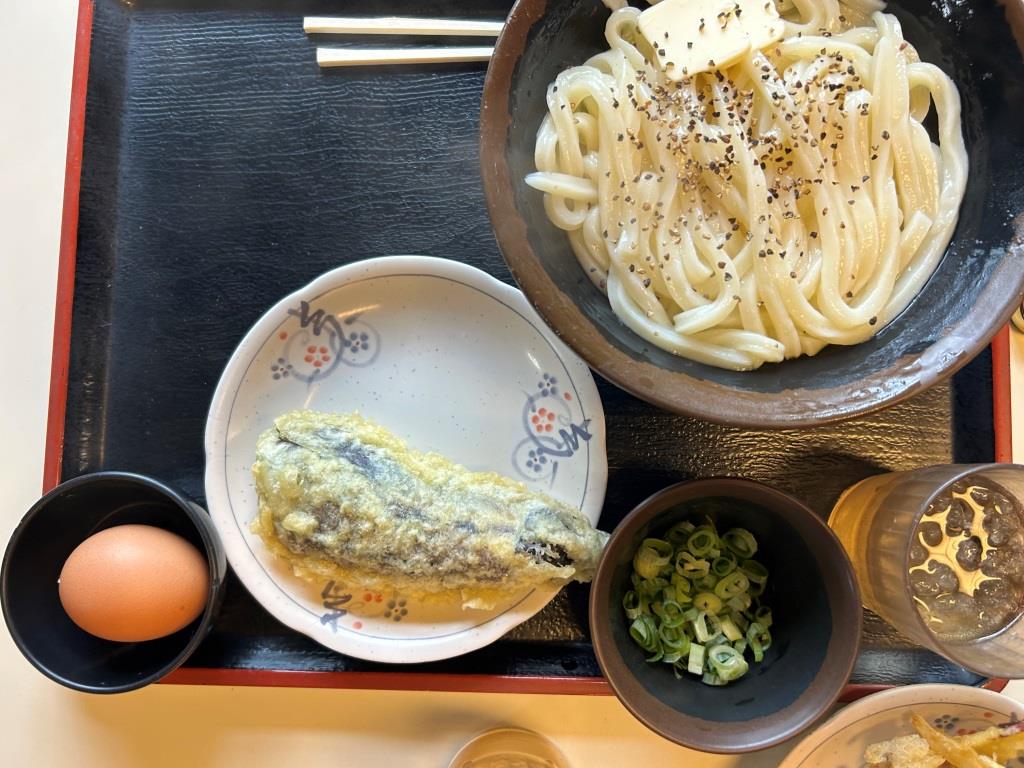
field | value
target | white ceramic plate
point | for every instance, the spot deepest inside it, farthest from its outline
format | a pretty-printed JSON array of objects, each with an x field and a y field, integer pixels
[
  {"x": 444, "y": 356},
  {"x": 953, "y": 709}
]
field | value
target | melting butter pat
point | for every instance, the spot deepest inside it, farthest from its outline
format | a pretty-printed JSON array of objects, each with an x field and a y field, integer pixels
[{"x": 692, "y": 36}]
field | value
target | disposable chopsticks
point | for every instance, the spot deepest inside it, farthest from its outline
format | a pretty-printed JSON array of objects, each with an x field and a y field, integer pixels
[
  {"x": 398, "y": 25},
  {"x": 348, "y": 57}
]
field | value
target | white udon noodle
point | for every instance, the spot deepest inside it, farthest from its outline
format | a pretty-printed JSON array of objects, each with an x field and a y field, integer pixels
[{"x": 670, "y": 203}]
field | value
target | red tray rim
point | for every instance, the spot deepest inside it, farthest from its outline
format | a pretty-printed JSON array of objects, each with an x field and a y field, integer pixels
[{"x": 392, "y": 681}]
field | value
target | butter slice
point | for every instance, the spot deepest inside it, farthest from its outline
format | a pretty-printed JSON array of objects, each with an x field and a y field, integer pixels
[{"x": 718, "y": 32}]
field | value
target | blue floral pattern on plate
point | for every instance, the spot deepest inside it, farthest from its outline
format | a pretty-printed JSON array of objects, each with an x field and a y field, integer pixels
[
  {"x": 321, "y": 343},
  {"x": 555, "y": 431}
]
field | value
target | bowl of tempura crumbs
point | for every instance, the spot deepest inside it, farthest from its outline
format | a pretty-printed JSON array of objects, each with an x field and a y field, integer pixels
[{"x": 725, "y": 615}]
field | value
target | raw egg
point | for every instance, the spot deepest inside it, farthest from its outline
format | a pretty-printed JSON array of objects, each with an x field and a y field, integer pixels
[{"x": 134, "y": 582}]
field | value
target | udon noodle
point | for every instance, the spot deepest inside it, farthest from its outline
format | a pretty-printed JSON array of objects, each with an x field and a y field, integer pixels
[{"x": 761, "y": 211}]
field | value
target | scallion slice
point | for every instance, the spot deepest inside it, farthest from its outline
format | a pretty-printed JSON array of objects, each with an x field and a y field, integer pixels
[
  {"x": 695, "y": 665},
  {"x": 690, "y": 566},
  {"x": 644, "y": 631},
  {"x": 672, "y": 614},
  {"x": 730, "y": 630},
  {"x": 740, "y": 542},
  {"x": 754, "y": 571},
  {"x": 702, "y": 541},
  {"x": 652, "y": 557},
  {"x": 707, "y": 602},
  {"x": 631, "y": 604},
  {"x": 727, "y": 662},
  {"x": 733, "y": 584},
  {"x": 678, "y": 534},
  {"x": 723, "y": 565}
]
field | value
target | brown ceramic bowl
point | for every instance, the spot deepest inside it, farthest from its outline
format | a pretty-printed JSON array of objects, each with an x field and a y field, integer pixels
[
  {"x": 972, "y": 294},
  {"x": 816, "y": 627}
]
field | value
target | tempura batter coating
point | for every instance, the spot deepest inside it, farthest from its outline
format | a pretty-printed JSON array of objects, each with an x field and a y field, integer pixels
[{"x": 342, "y": 498}]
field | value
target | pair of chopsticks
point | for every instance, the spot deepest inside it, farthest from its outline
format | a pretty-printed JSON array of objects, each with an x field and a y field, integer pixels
[{"x": 394, "y": 25}]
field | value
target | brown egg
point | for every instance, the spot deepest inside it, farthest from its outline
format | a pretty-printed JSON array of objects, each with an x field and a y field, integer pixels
[{"x": 134, "y": 582}]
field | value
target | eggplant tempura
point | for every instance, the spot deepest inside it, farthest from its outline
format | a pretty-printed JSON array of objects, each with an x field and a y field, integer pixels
[{"x": 342, "y": 498}]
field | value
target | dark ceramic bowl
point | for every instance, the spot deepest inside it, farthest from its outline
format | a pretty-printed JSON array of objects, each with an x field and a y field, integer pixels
[
  {"x": 816, "y": 613},
  {"x": 972, "y": 294},
  {"x": 42, "y": 542}
]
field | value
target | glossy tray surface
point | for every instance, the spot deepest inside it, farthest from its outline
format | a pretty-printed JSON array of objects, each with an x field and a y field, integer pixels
[{"x": 222, "y": 170}]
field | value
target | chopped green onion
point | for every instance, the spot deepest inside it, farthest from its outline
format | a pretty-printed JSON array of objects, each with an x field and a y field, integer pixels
[
  {"x": 679, "y": 533},
  {"x": 759, "y": 639},
  {"x": 702, "y": 541},
  {"x": 714, "y": 624},
  {"x": 688, "y": 565},
  {"x": 695, "y": 664},
  {"x": 740, "y": 542},
  {"x": 651, "y": 587},
  {"x": 706, "y": 582},
  {"x": 695, "y": 602},
  {"x": 733, "y": 584},
  {"x": 754, "y": 571},
  {"x": 707, "y": 602},
  {"x": 631, "y": 602},
  {"x": 723, "y": 565},
  {"x": 652, "y": 557},
  {"x": 683, "y": 585},
  {"x": 675, "y": 641},
  {"x": 739, "y": 602},
  {"x": 727, "y": 662},
  {"x": 739, "y": 620},
  {"x": 700, "y": 627},
  {"x": 672, "y": 614},
  {"x": 644, "y": 631},
  {"x": 730, "y": 630}
]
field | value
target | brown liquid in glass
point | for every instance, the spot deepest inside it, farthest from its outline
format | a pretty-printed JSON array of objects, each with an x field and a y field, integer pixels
[{"x": 966, "y": 563}]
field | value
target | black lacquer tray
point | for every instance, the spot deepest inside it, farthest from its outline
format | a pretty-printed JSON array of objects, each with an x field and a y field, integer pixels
[{"x": 213, "y": 168}]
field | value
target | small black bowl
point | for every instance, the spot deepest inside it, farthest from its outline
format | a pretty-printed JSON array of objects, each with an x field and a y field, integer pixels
[
  {"x": 42, "y": 542},
  {"x": 816, "y": 627}
]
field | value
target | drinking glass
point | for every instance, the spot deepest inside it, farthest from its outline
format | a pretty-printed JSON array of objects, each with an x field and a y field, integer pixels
[{"x": 888, "y": 525}]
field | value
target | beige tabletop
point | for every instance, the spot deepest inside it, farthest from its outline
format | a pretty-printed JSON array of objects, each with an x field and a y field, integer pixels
[{"x": 46, "y": 725}]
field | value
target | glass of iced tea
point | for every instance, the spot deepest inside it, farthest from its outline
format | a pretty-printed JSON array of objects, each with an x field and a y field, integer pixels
[{"x": 939, "y": 553}]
